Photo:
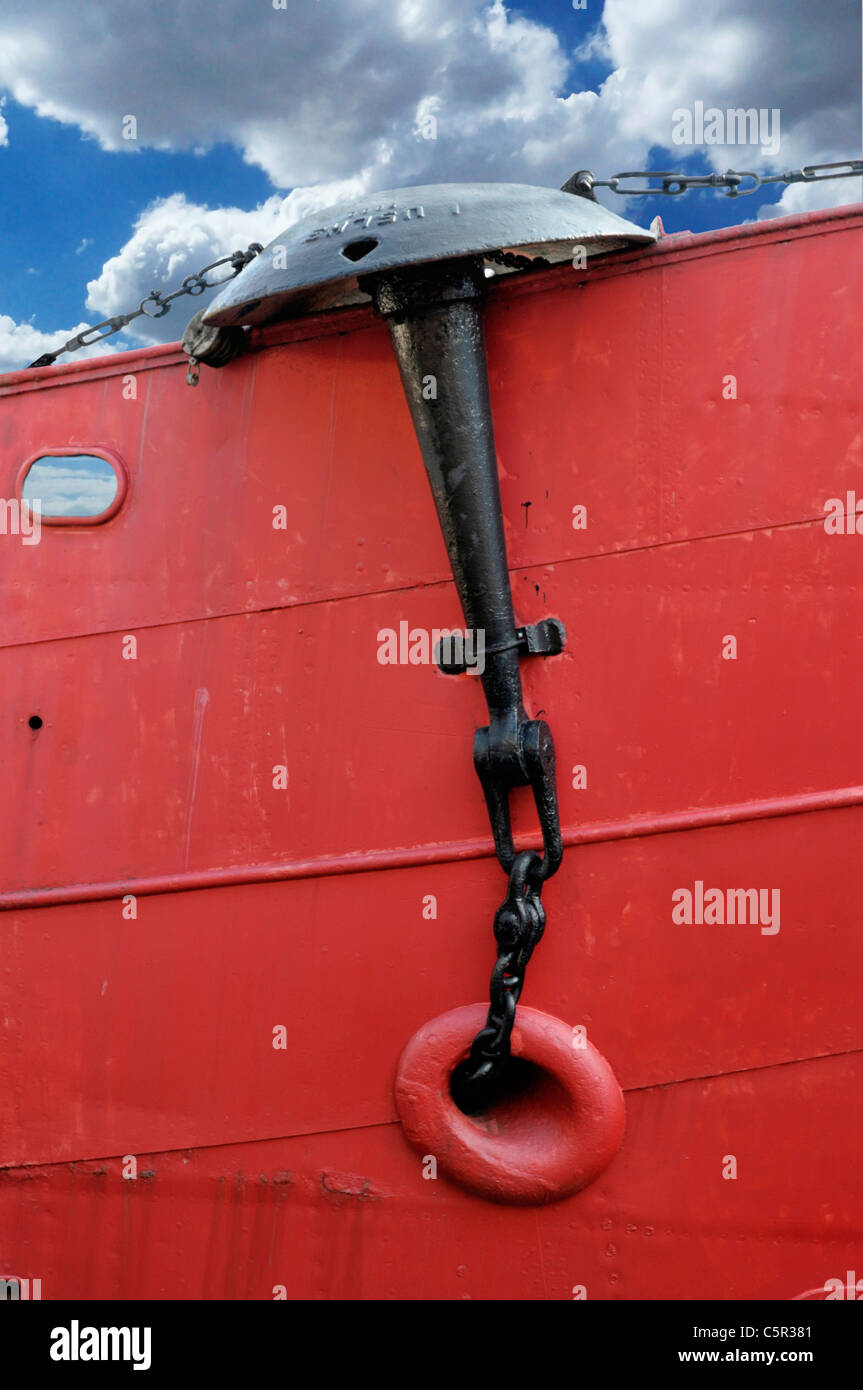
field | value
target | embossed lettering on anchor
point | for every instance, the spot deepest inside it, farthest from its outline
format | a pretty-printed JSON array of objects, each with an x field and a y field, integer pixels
[{"x": 380, "y": 216}]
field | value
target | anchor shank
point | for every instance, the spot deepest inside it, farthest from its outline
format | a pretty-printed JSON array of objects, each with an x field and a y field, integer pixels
[{"x": 434, "y": 314}]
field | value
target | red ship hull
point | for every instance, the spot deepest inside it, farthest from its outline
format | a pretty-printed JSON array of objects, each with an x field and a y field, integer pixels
[{"x": 172, "y": 901}]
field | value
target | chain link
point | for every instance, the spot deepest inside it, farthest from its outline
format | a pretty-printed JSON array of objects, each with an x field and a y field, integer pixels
[
  {"x": 193, "y": 284},
  {"x": 518, "y": 926},
  {"x": 673, "y": 183},
  {"x": 515, "y": 262}
]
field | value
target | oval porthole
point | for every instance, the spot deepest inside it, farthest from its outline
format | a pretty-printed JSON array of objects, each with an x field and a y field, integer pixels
[{"x": 72, "y": 488}]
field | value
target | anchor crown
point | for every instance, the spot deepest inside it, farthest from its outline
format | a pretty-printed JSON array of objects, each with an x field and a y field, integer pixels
[{"x": 317, "y": 263}]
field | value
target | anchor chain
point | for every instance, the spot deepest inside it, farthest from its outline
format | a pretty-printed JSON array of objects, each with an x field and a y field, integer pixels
[
  {"x": 193, "y": 285},
  {"x": 518, "y": 926},
  {"x": 519, "y": 922},
  {"x": 515, "y": 262},
  {"x": 583, "y": 182}
]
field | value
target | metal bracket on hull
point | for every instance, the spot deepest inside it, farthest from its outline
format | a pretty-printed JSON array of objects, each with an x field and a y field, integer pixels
[{"x": 545, "y": 638}]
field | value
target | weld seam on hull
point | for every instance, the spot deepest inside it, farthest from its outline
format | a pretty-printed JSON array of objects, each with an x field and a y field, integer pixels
[
  {"x": 9, "y": 1169},
  {"x": 327, "y": 866},
  {"x": 414, "y": 587}
]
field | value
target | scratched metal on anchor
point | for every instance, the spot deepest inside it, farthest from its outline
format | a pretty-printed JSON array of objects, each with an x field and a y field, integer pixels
[
  {"x": 315, "y": 264},
  {"x": 418, "y": 254}
]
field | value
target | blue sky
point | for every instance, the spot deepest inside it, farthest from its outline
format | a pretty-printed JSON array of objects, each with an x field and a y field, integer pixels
[
  {"x": 249, "y": 117},
  {"x": 69, "y": 205}
]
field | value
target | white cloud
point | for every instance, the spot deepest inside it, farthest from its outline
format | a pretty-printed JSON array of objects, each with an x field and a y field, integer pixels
[
  {"x": 808, "y": 197},
  {"x": 75, "y": 486},
  {"x": 21, "y": 343},
  {"x": 315, "y": 93},
  {"x": 311, "y": 92},
  {"x": 329, "y": 99},
  {"x": 173, "y": 237},
  {"x": 730, "y": 54}
]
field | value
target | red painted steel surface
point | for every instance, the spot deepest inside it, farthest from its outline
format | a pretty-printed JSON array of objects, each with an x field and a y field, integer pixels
[
  {"x": 261, "y": 1167},
  {"x": 347, "y": 1214},
  {"x": 538, "y": 1143}
]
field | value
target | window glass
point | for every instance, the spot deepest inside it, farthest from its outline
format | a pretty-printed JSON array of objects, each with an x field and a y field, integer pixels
[{"x": 70, "y": 485}]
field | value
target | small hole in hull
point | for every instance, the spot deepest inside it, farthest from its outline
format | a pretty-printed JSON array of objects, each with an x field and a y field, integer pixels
[
  {"x": 35, "y": 721},
  {"x": 356, "y": 250}
]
